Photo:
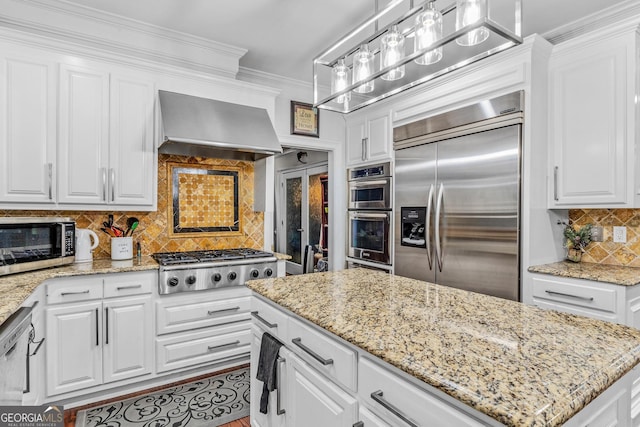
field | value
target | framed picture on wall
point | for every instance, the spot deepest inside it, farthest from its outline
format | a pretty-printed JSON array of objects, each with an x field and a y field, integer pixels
[{"x": 305, "y": 119}]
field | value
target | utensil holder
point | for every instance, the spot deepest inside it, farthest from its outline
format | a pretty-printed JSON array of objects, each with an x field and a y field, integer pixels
[{"x": 121, "y": 248}]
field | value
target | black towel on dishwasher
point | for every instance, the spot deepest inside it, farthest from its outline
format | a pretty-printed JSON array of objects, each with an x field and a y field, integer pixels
[{"x": 269, "y": 348}]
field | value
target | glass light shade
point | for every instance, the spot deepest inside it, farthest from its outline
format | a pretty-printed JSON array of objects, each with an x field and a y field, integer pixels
[
  {"x": 340, "y": 80},
  {"x": 428, "y": 30},
  {"x": 363, "y": 68},
  {"x": 391, "y": 52},
  {"x": 467, "y": 13}
]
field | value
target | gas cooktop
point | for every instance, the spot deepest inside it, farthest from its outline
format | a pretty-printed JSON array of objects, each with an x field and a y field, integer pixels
[
  {"x": 192, "y": 257},
  {"x": 212, "y": 269}
]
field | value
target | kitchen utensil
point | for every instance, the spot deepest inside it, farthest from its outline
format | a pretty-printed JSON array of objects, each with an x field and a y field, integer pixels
[
  {"x": 85, "y": 245},
  {"x": 130, "y": 221},
  {"x": 133, "y": 227},
  {"x": 108, "y": 231}
]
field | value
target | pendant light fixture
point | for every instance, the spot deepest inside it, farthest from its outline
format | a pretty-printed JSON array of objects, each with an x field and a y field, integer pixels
[
  {"x": 340, "y": 80},
  {"x": 468, "y": 12},
  {"x": 428, "y": 31},
  {"x": 369, "y": 63},
  {"x": 391, "y": 53},
  {"x": 363, "y": 68}
]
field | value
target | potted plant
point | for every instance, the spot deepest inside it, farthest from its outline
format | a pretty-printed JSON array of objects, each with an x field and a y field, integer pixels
[{"x": 576, "y": 240}]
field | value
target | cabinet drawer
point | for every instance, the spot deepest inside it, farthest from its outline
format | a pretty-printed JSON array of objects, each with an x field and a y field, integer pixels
[
  {"x": 270, "y": 319},
  {"x": 206, "y": 346},
  {"x": 177, "y": 315},
  {"x": 323, "y": 353},
  {"x": 129, "y": 284},
  {"x": 385, "y": 393},
  {"x": 74, "y": 289},
  {"x": 583, "y": 295}
]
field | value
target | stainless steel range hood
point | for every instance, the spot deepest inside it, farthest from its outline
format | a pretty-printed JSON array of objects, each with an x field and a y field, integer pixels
[{"x": 203, "y": 127}]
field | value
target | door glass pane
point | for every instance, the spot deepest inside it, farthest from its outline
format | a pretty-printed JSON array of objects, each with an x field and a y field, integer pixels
[
  {"x": 368, "y": 234},
  {"x": 315, "y": 209},
  {"x": 294, "y": 218}
]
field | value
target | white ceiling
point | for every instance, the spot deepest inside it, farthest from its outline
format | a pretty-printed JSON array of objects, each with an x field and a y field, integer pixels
[{"x": 283, "y": 36}]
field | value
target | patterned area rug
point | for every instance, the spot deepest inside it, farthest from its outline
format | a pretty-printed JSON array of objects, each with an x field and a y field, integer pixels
[{"x": 204, "y": 403}]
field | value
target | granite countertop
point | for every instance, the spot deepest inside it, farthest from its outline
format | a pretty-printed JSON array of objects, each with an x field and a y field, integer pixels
[
  {"x": 282, "y": 257},
  {"x": 16, "y": 288},
  {"x": 618, "y": 275},
  {"x": 516, "y": 363}
]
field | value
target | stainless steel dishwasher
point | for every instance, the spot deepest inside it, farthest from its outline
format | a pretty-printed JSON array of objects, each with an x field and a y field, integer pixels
[{"x": 14, "y": 341}]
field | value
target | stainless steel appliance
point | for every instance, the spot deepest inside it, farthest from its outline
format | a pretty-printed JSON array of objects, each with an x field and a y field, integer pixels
[
  {"x": 370, "y": 187},
  {"x": 370, "y": 203},
  {"x": 34, "y": 243},
  {"x": 212, "y": 269},
  {"x": 457, "y": 197},
  {"x": 14, "y": 342}
]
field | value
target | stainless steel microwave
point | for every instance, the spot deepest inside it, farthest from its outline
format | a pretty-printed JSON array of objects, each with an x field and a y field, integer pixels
[
  {"x": 34, "y": 243},
  {"x": 370, "y": 187}
]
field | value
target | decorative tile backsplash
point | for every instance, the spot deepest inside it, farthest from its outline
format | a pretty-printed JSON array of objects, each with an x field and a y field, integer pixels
[
  {"x": 153, "y": 231},
  {"x": 607, "y": 251}
]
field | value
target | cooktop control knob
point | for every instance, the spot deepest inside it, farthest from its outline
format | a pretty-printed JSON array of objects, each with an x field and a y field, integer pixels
[
  {"x": 216, "y": 277},
  {"x": 191, "y": 280},
  {"x": 232, "y": 275},
  {"x": 254, "y": 273},
  {"x": 173, "y": 281},
  {"x": 268, "y": 272}
]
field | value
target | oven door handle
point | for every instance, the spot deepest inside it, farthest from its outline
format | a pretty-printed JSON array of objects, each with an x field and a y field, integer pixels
[
  {"x": 427, "y": 227},
  {"x": 369, "y": 215},
  {"x": 369, "y": 183}
]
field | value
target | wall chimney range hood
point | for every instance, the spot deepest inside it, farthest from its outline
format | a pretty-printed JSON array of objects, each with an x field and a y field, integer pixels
[{"x": 202, "y": 127}]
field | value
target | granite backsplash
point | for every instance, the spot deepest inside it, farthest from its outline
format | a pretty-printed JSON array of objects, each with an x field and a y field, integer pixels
[
  {"x": 607, "y": 251},
  {"x": 153, "y": 232}
]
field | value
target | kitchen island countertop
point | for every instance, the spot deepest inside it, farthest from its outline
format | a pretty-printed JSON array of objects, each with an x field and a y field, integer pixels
[
  {"x": 518, "y": 364},
  {"x": 16, "y": 288},
  {"x": 618, "y": 275}
]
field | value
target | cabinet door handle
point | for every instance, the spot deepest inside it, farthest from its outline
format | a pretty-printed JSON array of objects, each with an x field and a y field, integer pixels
[
  {"x": 122, "y": 288},
  {"x": 224, "y": 310},
  {"x": 113, "y": 184},
  {"x": 298, "y": 342},
  {"x": 358, "y": 424},
  {"x": 106, "y": 323},
  {"x": 104, "y": 184},
  {"x": 50, "y": 178},
  {"x": 279, "y": 409},
  {"x": 364, "y": 148},
  {"x": 97, "y": 329},
  {"x": 64, "y": 294},
  {"x": 377, "y": 396},
  {"x": 569, "y": 295},
  {"x": 217, "y": 347},
  {"x": 555, "y": 183},
  {"x": 263, "y": 320}
]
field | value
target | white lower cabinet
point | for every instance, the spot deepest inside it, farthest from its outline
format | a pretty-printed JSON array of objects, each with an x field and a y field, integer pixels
[
  {"x": 313, "y": 400},
  {"x": 91, "y": 341},
  {"x": 369, "y": 419},
  {"x": 276, "y": 415}
]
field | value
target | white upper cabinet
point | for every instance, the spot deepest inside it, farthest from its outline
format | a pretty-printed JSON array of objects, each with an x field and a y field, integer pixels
[
  {"x": 27, "y": 127},
  {"x": 368, "y": 137},
  {"x": 106, "y": 148},
  {"x": 592, "y": 121}
]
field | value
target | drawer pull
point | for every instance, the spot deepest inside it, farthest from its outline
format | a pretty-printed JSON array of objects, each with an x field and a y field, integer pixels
[
  {"x": 124, "y": 288},
  {"x": 217, "y": 347},
  {"x": 263, "y": 320},
  {"x": 64, "y": 294},
  {"x": 377, "y": 396},
  {"x": 279, "y": 409},
  {"x": 569, "y": 295},
  {"x": 224, "y": 310},
  {"x": 298, "y": 342},
  {"x": 358, "y": 424}
]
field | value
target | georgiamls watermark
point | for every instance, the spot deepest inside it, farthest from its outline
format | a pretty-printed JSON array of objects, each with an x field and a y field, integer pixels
[{"x": 32, "y": 416}]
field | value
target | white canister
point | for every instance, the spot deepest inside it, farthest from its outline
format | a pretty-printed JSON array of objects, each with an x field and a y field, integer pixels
[{"x": 121, "y": 248}]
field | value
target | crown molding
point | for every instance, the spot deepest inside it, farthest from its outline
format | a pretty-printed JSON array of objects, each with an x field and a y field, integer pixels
[
  {"x": 622, "y": 14},
  {"x": 84, "y": 26}
]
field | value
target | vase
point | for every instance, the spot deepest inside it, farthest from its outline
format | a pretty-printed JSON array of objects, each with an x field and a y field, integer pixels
[{"x": 574, "y": 255}]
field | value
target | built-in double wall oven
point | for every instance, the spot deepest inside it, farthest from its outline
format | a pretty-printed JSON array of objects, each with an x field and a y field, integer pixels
[{"x": 370, "y": 204}]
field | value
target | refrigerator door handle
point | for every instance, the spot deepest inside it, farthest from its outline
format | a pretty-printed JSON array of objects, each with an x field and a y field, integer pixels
[
  {"x": 427, "y": 228},
  {"x": 439, "y": 235}
]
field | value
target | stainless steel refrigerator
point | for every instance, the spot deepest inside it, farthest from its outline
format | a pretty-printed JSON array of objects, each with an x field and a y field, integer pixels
[{"x": 457, "y": 198}]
